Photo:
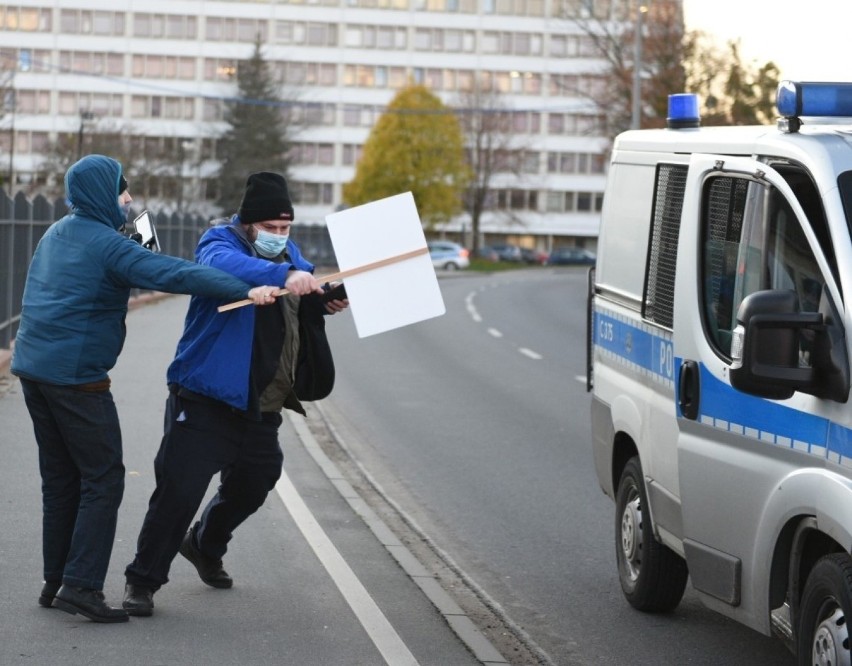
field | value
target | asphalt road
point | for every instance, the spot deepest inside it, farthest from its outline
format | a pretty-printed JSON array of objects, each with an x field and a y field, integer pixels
[
  {"x": 319, "y": 579},
  {"x": 476, "y": 425}
]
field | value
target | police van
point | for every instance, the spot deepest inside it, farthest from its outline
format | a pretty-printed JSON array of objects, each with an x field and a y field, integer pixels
[{"x": 719, "y": 370}]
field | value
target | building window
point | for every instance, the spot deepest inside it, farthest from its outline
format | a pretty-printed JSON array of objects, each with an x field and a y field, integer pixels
[
  {"x": 108, "y": 23},
  {"x": 165, "y": 26},
  {"x": 216, "y": 69},
  {"x": 556, "y": 123},
  {"x": 212, "y": 110},
  {"x": 529, "y": 161},
  {"x": 33, "y": 101},
  {"x": 82, "y": 22},
  {"x": 313, "y": 193},
  {"x": 26, "y": 19},
  {"x": 352, "y": 154},
  {"x": 220, "y": 29},
  {"x": 314, "y": 114}
]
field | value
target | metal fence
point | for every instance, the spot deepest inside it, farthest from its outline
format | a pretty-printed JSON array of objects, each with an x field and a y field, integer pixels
[{"x": 24, "y": 221}]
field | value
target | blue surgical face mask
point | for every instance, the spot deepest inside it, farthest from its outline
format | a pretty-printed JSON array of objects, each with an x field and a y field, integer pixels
[{"x": 270, "y": 245}]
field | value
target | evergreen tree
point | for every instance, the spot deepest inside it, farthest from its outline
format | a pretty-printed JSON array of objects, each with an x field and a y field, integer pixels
[
  {"x": 415, "y": 146},
  {"x": 257, "y": 136}
]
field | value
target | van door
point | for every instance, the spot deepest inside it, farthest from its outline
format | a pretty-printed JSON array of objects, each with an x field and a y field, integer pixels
[{"x": 743, "y": 230}]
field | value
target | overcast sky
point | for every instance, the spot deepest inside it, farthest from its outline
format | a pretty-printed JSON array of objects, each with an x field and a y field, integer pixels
[{"x": 809, "y": 40}]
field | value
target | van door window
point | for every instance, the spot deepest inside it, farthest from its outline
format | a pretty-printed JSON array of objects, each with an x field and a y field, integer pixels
[
  {"x": 669, "y": 189},
  {"x": 752, "y": 241}
]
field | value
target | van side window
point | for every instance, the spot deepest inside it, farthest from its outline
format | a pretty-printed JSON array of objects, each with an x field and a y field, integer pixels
[
  {"x": 808, "y": 197},
  {"x": 752, "y": 241},
  {"x": 723, "y": 212},
  {"x": 669, "y": 188}
]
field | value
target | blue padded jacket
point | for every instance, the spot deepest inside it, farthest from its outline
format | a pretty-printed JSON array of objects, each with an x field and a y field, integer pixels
[
  {"x": 78, "y": 286},
  {"x": 213, "y": 356}
]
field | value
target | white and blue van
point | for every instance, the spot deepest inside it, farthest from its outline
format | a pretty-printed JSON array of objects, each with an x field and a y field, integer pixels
[{"x": 720, "y": 333}]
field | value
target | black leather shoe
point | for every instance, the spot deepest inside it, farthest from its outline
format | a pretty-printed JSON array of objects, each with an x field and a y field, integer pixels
[
  {"x": 48, "y": 591},
  {"x": 88, "y": 603},
  {"x": 210, "y": 570},
  {"x": 138, "y": 600}
]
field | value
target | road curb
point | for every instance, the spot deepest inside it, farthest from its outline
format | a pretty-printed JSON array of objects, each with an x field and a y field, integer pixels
[{"x": 453, "y": 614}]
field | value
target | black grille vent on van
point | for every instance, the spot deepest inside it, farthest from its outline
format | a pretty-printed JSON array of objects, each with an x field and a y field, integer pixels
[{"x": 662, "y": 251}]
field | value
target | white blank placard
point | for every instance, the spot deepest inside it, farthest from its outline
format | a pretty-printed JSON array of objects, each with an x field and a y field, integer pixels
[{"x": 391, "y": 296}]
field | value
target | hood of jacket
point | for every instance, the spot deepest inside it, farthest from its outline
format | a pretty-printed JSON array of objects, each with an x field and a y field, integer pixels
[{"x": 91, "y": 187}]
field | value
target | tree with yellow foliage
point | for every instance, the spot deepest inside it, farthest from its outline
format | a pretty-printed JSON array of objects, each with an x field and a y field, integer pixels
[{"x": 416, "y": 146}]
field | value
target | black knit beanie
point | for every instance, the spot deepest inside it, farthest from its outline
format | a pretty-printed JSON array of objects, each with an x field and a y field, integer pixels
[
  {"x": 122, "y": 184},
  {"x": 266, "y": 198}
]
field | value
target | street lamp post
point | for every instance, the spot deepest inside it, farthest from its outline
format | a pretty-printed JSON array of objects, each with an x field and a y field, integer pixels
[
  {"x": 636, "y": 116},
  {"x": 84, "y": 116},
  {"x": 12, "y": 106},
  {"x": 186, "y": 149}
]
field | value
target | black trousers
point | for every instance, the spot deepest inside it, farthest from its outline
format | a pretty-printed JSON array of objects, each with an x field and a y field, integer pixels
[
  {"x": 202, "y": 439},
  {"x": 82, "y": 479}
]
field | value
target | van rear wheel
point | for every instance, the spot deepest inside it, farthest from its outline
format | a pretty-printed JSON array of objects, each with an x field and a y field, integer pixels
[
  {"x": 653, "y": 577},
  {"x": 823, "y": 631}
]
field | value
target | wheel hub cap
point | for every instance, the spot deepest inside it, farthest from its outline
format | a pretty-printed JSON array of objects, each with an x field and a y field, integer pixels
[
  {"x": 831, "y": 641},
  {"x": 631, "y": 537}
]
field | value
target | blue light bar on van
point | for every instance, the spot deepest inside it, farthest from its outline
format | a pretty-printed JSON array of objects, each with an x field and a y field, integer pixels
[
  {"x": 683, "y": 111},
  {"x": 830, "y": 100}
]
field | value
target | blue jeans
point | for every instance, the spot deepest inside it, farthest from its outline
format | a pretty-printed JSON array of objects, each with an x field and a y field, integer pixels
[
  {"x": 82, "y": 479},
  {"x": 202, "y": 439}
]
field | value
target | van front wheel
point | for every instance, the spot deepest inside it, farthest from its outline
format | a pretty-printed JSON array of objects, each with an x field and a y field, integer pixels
[
  {"x": 653, "y": 577},
  {"x": 826, "y": 606}
]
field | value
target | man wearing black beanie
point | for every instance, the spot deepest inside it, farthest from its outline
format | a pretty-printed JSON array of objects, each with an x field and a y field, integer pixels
[
  {"x": 223, "y": 416},
  {"x": 266, "y": 198}
]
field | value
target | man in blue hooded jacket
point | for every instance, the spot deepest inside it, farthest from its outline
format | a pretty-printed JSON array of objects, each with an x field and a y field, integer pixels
[
  {"x": 223, "y": 417},
  {"x": 71, "y": 332}
]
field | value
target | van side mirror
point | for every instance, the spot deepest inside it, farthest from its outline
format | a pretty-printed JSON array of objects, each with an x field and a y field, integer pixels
[{"x": 765, "y": 346}]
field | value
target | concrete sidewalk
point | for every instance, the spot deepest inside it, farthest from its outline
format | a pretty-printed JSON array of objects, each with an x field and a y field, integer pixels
[{"x": 313, "y": 583}]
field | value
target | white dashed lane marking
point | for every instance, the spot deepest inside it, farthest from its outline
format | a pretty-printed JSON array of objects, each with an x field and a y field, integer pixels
[{"x": 493, "y": 332}]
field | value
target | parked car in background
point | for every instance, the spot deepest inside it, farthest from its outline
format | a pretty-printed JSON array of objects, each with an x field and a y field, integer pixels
[
  {"x": 508, "y": 252},
  {"x": 448, "y": 255},
  {"x": 487, "y": 253},
  {"x": 533, "y": 256},
  {"x": 564, "y": 256}
]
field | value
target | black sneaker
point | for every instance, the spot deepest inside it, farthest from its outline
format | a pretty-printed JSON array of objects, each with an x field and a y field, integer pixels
[{"x": 210, "y": 570}]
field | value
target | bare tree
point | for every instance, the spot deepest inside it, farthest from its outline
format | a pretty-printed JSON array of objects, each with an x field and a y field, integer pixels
[
  {"x": 615, "y": 32},
  {"x": 149, "y": 162},
  {"x": 670, "y": 60},
  {"x": 492, "y": 147},
  {"x": 732, "y": 92}
]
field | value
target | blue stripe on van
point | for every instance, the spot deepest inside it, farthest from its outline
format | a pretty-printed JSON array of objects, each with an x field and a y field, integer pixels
[
  {"x": 644, "y": 347},
  {"x": 763, "y": 418},
  {"x": 722, "y": 406}
]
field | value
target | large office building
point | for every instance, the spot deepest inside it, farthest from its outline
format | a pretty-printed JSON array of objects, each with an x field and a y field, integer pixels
[{"x": 160, "y": 69}]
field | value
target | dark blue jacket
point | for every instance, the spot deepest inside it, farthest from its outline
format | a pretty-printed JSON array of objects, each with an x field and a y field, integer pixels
[
  {"x": 78, "y": 285},
  {"x": 214, "y": 354}
]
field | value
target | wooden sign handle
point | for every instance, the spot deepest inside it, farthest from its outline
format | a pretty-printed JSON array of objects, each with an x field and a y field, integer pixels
[{"x": 340, "y": 275}]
